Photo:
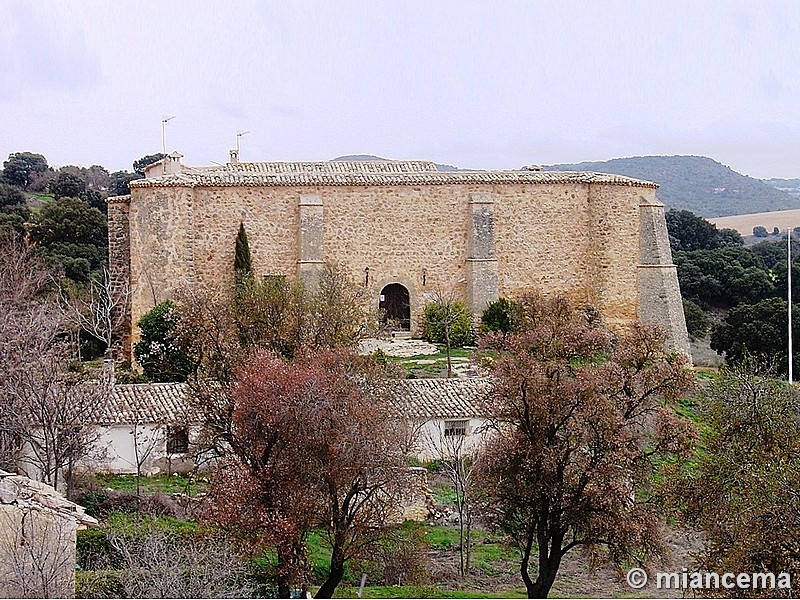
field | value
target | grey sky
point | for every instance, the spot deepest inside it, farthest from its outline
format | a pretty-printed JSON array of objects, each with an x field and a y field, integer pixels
[{"x": 476, "y": 84}]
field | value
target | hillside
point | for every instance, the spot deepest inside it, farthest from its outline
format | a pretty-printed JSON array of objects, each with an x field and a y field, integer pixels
[
  {"x": 696, "y": 183},
  {"x": 790, "y": 186}
]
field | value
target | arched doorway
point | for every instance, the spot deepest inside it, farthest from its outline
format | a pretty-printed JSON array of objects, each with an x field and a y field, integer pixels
[{"x": 395, "y": 303}]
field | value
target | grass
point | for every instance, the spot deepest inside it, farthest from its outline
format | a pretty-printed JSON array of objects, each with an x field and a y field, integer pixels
[
  {"x": 415, "y": 370},
  {"x": 38, "y": 198},
  {"x": 443, "y": 493},
  {"x": 165, "y": 484},
  {"x": 120, "y": 521}
]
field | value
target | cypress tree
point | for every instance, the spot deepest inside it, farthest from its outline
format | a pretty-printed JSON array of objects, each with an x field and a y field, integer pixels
[{"x": 241, "y": 260}]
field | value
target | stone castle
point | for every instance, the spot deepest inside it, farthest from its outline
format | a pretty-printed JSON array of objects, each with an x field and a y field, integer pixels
[{"x": 405, "y": 231}]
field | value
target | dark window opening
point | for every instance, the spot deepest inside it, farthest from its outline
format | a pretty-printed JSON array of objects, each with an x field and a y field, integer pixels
[
  {"x": 177, "y": 440},
  {"x": 455, "y": 428}
]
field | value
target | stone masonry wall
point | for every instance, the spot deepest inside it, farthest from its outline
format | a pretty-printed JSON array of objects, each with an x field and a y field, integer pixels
[
  {"x": 119, "y": 263},
  {"x": 576, "y": 238}
]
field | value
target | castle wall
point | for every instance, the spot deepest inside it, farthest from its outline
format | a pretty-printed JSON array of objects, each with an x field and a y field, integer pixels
[
  {"x": 660, "y": 301},
  {"x": 119, "y": 270},
  {"x": 475, "y": 241},
  {"x": 404, "y": 234},
  {"x": 161, "y": 247}
]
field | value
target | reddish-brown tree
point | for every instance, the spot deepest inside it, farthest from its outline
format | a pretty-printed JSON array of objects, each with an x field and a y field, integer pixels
[
  {"x": 580, "y": 416},
  {"x": 316, "y": 445}
]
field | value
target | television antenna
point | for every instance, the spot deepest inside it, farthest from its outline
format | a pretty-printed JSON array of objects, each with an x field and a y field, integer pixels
[{"x": 238, "y": 137}]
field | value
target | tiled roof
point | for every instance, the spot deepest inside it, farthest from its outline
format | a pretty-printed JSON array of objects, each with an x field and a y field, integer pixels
[
  {"x": 333, "y": 166},
  {"x": 147, "y": 403},
  {"x": 167, "y": 402},
  {"x": 28, "y": 494},
  {"x": 363, "y": 173},
  {"x": 442, "y": 398}
]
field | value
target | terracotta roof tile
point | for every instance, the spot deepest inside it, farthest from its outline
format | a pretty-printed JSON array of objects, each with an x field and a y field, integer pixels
[
  {"x": 358, "y": 173},
  {"x": 457, "y": 398},
  {"x": 167, "y": 402},
  {"x": 147, "y": 403}
]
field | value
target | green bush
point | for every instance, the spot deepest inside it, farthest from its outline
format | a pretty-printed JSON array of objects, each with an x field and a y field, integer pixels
[
  {"x": 455, "y": 317},
  {"x": 157, "y": 352},
  {"x": 499, "y": 316},
  {"x": 98, "y": 584},
  {"x": 94, "y": 549},
  {"x": 697, "y": 322}
]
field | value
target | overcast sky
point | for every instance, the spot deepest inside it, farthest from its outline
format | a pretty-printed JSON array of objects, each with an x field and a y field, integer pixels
[{"x": 486, "y": 84}]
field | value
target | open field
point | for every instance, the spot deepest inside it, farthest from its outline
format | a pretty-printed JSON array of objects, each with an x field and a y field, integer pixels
[{"x": 744, "y": 223}]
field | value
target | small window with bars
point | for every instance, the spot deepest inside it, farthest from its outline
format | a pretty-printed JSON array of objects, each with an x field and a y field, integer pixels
[
  {"x": 456, "y": 428},
  {"x": 177, "y": 440}
]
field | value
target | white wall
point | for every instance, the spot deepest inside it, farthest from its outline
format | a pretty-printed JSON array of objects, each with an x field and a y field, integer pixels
[{"x": 432, "y": 444}]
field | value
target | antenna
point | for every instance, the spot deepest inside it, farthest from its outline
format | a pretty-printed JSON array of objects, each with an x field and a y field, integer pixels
[
  {"x": 238, "y": 137},
  {"x": 164, "y": 122}
]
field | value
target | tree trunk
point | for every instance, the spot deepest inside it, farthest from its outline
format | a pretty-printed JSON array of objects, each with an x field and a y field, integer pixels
[
  {"x": 545, "y": 580},
  {"x": 548, "y": 569},
  {"x": 282, "y": 578},
  {"x": 334, "y": 576},
  {"x": 447, "y": 346}
]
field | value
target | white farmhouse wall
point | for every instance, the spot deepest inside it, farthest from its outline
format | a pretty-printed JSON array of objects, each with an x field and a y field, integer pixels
[{"x": 432, "y": 443}]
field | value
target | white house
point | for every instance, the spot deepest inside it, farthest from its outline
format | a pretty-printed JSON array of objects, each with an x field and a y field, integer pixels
[
  {"x": 153, "y": 425},
  {"x": 444, "y": 413},
  {"x": 149, "y": 428}
]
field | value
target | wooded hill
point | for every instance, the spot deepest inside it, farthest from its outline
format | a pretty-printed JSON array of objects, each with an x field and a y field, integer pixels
[{"x": 696, "y": 183}]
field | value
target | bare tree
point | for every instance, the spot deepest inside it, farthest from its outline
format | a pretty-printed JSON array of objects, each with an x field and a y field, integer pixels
[
  {"x": 448, "y": 321},
  {"x": 456, "y": 458},
  {"x": 149, "y": 562},
  {"x": 52, "y": 413},
  {"x": 98, "y": 308},
  {"x": 46, "y": 407},
  {"x": 145, "y": 442}
]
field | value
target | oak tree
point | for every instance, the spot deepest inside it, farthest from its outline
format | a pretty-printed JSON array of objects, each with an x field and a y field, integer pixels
[
  {"x": 581, "y": 416},
  {"x": 21, "y": 168}
]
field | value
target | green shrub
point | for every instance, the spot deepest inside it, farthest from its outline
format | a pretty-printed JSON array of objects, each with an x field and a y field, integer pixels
[
  {"x": 380, "y": 357},
  {"x": 157, "y": 351},
  {"x": 499, "y": 316},
  {"x": 94, "y": 549},
  {"x": 98, "y": 584},
  {"x": 697, "y": 322},
  {"x": 454, "y": 317}
]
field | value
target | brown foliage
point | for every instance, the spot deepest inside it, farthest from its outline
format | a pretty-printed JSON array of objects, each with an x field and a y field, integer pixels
[
  {"x": 579, "y": 416},
  {"x": 744, "y": 491},
  {"x": 316, "y": 445}
]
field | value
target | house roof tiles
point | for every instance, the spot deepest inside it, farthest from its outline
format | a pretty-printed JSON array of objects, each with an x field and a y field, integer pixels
[
  {"x": 168, "y": 402},
  {"x": 456, "y": 398},
  {"x": 147, "y": 403}
]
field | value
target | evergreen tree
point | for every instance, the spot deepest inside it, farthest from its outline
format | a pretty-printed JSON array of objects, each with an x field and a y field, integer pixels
[{"x": 241, "y": 260}]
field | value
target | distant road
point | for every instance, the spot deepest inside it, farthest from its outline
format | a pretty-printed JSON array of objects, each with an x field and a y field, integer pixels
[{"x": 744, "y": 223}]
